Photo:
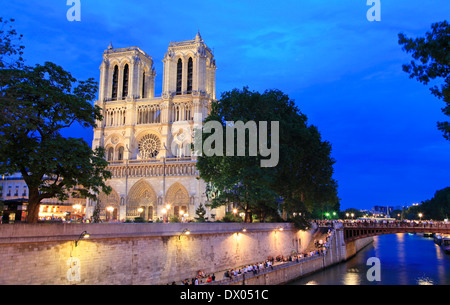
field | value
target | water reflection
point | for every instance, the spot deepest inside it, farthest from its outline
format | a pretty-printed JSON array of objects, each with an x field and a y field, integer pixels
[
  {"x": 352, "y": 278},
  {"x": 405, "y": 259},
  {"x": 424, "y": 281},
  {"x": 402, "y": 276}
]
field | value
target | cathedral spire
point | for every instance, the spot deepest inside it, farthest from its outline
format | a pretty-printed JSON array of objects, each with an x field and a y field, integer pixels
[
  {"x": 198, "y": 38},
  {"x": 110, "y": 47}
]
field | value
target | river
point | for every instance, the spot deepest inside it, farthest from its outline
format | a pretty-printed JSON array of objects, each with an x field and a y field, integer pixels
[{"x": 404, "y": 259}]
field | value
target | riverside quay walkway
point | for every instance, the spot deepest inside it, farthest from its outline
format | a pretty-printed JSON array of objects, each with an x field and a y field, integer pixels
[{"x": 361, "y": 229}]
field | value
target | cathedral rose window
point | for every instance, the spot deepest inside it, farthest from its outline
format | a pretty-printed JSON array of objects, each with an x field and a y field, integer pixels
[{"x": 149, "y": 146}]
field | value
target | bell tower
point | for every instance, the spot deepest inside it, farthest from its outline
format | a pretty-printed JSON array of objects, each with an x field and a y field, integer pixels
[
  {"x": 126, "y": 73},
  {"x": 189, "y": 68}
]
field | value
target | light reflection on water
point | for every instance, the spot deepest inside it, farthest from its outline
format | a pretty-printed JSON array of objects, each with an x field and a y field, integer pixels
[{"x": 405, "y": 259}]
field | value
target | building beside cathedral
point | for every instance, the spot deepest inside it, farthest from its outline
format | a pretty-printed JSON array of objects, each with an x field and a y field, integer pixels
[{"x": 147, "y": 138}]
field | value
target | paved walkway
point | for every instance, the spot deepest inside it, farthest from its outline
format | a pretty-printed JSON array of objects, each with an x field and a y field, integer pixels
[{"x": 312, "y": 251}]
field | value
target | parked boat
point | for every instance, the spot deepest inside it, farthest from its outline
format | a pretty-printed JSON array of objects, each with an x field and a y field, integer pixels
[
  {"x": 445, "y": 244},
  {"x": 437, "y": 239},
  {"x": 425, "y": 234}
]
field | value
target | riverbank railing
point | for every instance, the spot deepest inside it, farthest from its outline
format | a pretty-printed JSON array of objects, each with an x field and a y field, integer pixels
[{"x": 360, "y": 229}]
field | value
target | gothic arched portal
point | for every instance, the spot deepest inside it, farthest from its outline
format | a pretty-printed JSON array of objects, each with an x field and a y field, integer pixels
[
  {"x": 142, "y": 196},
  {"x": 178, "y": 198},
  {"x": 109, "y": 201}
]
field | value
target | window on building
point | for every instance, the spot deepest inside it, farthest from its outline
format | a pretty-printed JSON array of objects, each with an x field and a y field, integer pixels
[
  {"x": 125, "y": 82},
  {"x": 143, "y": 85},
  {"x": 115, "y": 83},
  {"x": 120, "y": 154},
  {"x": 110, "y": 154},
  {"x": 190, "y": 75},
  {"x": 179, "y": 76}
]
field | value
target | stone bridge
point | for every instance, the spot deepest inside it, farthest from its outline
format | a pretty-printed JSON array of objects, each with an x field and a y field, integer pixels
[{"x": 357, "y": 230}]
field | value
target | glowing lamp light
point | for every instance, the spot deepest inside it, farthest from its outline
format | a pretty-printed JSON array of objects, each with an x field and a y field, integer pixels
[
  {"x": 83, "y": 235},
  {"x": 185, "y": 232}
]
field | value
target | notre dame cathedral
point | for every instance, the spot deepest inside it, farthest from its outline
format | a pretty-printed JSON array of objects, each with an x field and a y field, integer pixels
[{"x": 148, "y": 139}]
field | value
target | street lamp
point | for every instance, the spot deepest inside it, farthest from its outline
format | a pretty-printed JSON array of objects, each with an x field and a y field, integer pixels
[
  {"x": 181, "y": 213},
  {"x": 168, "y": 206},
  {"x": 83, "y": 235},
  {"x": 110, "y": 210},
  {"x": 185, "y": 232},
  {"x": 420, "y": 216},
  {"x": 164, "y": 211},
  {"x": 77, "y": 207}
]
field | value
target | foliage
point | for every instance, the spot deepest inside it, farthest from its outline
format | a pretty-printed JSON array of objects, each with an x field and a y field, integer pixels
[
  {"x": 302, "y": 178},
  {"x": 36, "y": 103},
  {"x": 356, "y": 213},
  {"x": 174, "y": 219},
  {"x": 11, "y": 50},
  {"x": 200, "y": 212},
  {"x": 431, "y": 56},
  {"x": 438, "y": 207},
  {"x": 139, "y": 220},
  {"x": 230, "y": 217}
]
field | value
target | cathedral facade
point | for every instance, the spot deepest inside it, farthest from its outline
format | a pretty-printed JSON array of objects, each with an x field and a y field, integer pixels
[{"x": 148, "y": 139}]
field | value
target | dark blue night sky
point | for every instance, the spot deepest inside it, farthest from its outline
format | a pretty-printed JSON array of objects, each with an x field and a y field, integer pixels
[{"x": 343, "y": 71}]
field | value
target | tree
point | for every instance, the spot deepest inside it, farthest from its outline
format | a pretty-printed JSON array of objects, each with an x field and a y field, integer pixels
[
  {"x": 301, "y": 179},
  {"x": 36, "y": 103},
  {"x": 438, "y": 207},
  {"x": 351, "y": 211},
  {"x": 200, "y": 212},
  {"x": 96, "y": 212},
  {"x": 11, "y": 50},
  {"x": 431, "y": 56}
]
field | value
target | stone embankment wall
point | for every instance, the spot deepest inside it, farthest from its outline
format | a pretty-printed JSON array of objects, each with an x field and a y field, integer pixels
[
  {"x": 136, "y": 253},
  {"x": 151, "y": 254},
  {"x": 338, "y": 251}
]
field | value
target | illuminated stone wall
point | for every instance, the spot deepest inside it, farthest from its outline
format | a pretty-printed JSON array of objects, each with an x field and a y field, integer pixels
[{"x": 136, "y": 253}]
